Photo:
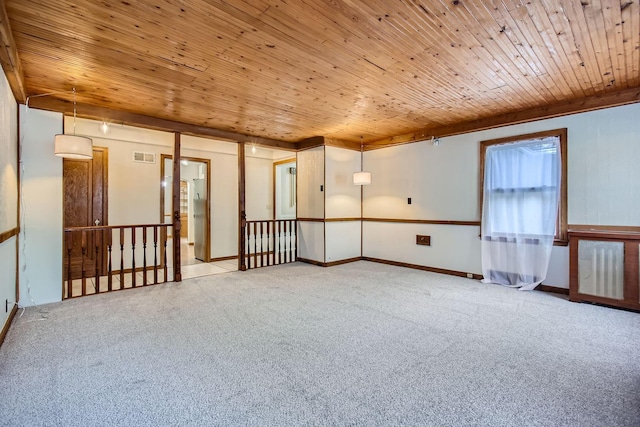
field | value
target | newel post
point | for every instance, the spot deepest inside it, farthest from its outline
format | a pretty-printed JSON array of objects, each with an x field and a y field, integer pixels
[
  {"x": 242, "y": 215},
  {"x": 177, "y": 274}
]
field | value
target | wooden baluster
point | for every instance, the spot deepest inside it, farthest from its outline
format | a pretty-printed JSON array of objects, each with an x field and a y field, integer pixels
[
  {"x": 84, "y": 253},
  {"x": 109, "y": 267},
  {"x": 69, "y": 238},
  {"x": 144, "y": 256},
  {"x": 268, "y": 243},
  {"x": 286, "y": 248},
  {"x": 155, "y": 254},
  {"x": 255, "y": 244},
  {"x": 290, "y": 242},
  {"x": 279, "y": 247},
  {"x": 164, "y": 244},
  {"x": 248, "y": 243},
  {"x": 275, "y": 242},
  {"x": 121, "y": 257},
  {"x": 261, "y": 247},
  {"x": 133, "y": 257},
  {"x": 286, "y": 243},
  {"x": 97, "y": 240},
  {"x": 289, "y": 237}
]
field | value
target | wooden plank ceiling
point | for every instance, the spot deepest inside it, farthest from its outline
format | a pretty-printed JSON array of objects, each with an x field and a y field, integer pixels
[{"x": 289, "y": 70}]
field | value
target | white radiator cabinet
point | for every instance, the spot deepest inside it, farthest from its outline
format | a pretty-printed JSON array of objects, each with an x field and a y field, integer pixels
[{"x": 604, "y": 267}]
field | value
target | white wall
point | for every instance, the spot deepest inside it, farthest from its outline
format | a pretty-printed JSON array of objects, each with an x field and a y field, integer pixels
[
  {"x": 603, "y": 189},
  {"x": 342, "y": 198},
  {"x": 311, "y": 241},
  {"x": 310, "y": 203},
  {"x": 342, "y": 240},
  {"x": 8, "y": 196},
  {"x": 41, "y": 235},
  {"x": 310, "y": 176},
  {"x": 258, "y": 188},
  {"x": 133, "y": 188}
]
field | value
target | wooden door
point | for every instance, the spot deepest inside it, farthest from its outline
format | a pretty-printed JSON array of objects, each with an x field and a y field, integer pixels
[{"x": 85, "y": 201}]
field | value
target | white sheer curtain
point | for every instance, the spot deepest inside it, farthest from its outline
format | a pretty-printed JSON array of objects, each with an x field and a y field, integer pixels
[{"x": 519, "y": 209}]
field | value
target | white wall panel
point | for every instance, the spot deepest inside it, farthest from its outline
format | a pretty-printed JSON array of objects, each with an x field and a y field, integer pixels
[
  {"x": 259, "y": 188},
  {"x": 8, "y": 195},
  {"x": 41, "y": 234},
  {"x": 224, "y": 205},
  {"x": 310, "y": 176},
  {"x": 397, "y": 242},
  {"x": 342, "y": 197},
  {"x": 311, "y": 240},
  {"x": 8, "y": 157},
  {"x": 7, "y": 277},
  {"x": 441, "y": 181},
  {"x": 343, "y": 240}
]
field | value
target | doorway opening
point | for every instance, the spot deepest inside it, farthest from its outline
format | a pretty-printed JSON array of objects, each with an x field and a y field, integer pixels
[
  {"x": 284, "y": 189},
  {"x": 195, "y": 207}
]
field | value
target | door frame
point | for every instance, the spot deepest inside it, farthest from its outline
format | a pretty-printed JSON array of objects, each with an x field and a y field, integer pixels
[
  {"x": 164, "y": 157},
  {"x": 102, "y": 262},
  {"x": 275, "y": 187}
]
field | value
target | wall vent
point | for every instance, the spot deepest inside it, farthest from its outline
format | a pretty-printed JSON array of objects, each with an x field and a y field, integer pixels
[{"x": 141, "y": 157}]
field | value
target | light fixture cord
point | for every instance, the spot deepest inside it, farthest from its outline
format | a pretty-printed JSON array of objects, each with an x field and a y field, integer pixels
[
  {"x": 74, "y": 110},
  {"x": 361, "y": 154}
]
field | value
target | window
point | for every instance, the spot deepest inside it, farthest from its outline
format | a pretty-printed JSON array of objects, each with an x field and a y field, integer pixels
[{"x": 532, "y": 150}]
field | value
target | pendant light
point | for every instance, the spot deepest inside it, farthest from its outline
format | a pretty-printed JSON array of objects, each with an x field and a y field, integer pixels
[
  {"x": 73, "y": 146},
  {"x": 361, "y": 178}
]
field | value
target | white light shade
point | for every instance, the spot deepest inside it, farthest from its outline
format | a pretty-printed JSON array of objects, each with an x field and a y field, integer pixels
[
  {"x": 361, "y": 178},
  {"x": 73, "y": 147}
]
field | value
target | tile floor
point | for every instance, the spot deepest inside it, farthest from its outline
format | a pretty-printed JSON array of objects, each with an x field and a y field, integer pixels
[{"x": 191, "y": 267}]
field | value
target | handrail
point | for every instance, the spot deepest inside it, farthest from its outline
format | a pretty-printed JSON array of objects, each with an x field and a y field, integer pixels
[
  {"x": 93, "y": 251},
  {"x": 106, "y": 227}
]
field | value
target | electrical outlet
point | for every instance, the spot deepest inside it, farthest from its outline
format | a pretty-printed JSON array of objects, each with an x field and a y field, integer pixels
[
  {"x": 423, "y": 240},
  {"x": 469, "y": 275}
]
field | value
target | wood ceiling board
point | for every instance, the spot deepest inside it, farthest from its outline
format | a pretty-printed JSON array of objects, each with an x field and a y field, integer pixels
[
  {"x": 562, "y": 28},
  {"x": 593, "y": 15},
  {"x": 9, "y": 58},
  {"x": 340, "y": 69},
  {"x": 630, "y": 15},
  {"x": 541, "y": 22},
  {"x": 496, "y": 37},
  {"x": 452, "y": 57},
  {"x": 624, "y": 97},
  {"x": 612, "y": 19}
]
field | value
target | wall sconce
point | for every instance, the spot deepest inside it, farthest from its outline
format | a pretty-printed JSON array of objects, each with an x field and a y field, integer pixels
[{"x": 73, "y": 146}]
